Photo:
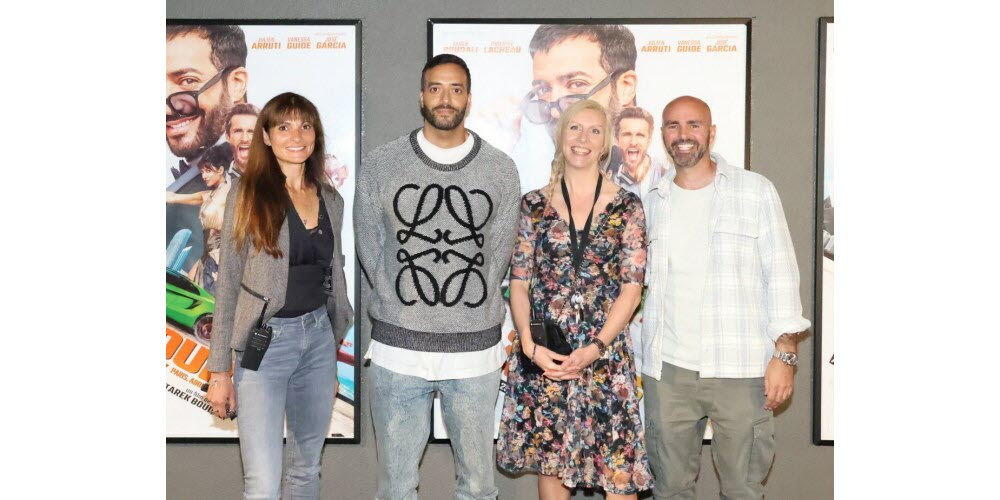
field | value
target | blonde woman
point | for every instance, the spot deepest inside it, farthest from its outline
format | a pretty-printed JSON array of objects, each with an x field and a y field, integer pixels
[{"x": 579, "y": 262}]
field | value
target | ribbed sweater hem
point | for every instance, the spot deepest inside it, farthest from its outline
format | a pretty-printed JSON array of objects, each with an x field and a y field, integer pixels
[{"x": 415, "y": 340}]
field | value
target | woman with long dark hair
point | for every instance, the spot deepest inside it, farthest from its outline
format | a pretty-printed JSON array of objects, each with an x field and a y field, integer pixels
[
  {"x": 281, "y": 303},
  {"x": 578, "y": 265}
]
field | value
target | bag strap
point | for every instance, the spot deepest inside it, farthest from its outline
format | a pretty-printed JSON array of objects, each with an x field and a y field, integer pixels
[
  {"x": 260, "y": 319},
  {"x": 535, "y": 244},
  {"x": 534, "y": 273},
  {"x": 579, "y": 242}
]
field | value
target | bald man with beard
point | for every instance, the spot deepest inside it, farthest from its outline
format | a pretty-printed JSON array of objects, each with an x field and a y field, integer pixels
[{"x": 722, "y": 313}]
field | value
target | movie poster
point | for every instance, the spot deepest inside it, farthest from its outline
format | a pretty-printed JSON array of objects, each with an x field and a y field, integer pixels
[
  {"x": 823, "y": 432},
  {"x": 218, "y": 76},
  {"x": 642, "y": 68}
]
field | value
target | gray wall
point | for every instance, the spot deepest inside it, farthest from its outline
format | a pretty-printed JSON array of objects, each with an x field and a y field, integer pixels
[{"x": 782, "y": 142}]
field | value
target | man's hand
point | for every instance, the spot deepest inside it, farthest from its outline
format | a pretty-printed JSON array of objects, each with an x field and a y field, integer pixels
[{"x": 778, "y": 381}]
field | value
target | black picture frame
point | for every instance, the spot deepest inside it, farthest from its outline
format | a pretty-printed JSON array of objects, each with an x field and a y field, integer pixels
[
  {"x": 356, "y": 23},
  {"x": 819, "y": 361},
  {"x": 745, "y": 21}
]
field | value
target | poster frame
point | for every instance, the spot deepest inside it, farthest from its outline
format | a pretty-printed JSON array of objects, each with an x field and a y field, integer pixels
[
  {"x": 817, "y": 382},
  {"x": 356, "y": 23},
  {"x": 746, "y": 21}
]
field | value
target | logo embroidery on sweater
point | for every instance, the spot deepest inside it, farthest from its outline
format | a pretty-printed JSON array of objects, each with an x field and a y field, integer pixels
[{"x": 459, "y": 206}]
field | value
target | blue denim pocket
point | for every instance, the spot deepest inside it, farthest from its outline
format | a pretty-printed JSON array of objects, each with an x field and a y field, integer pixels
[
  {"x": 276, "y": 330},
  {"x": 324, "y": 322}
]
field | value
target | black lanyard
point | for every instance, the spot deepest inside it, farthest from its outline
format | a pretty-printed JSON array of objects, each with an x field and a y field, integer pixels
[{"x": 579, "y": 246}]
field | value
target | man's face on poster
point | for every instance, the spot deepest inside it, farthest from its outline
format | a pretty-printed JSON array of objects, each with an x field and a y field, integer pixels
[
  {"x": 633, "y": 140},
  {"x": 239, "y": 135},
  {"x": 189, "y": 68},
  {"x": 573, "y": 67}
]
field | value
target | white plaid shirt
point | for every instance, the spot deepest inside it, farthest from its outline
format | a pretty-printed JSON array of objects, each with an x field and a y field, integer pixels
[{"x": 752, "y": 281}]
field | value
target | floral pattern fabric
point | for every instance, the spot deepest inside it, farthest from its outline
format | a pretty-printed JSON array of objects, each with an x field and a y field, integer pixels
[{"x": 586, "y": 431}]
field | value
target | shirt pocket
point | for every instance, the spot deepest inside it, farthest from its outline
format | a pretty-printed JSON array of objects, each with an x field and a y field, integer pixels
[
  {"x": 737, "y": 226},
  {"x": 734, "y": 245}
]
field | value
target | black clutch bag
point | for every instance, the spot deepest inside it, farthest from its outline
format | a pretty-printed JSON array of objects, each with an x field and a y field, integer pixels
[{"x": 548, "y": 335}]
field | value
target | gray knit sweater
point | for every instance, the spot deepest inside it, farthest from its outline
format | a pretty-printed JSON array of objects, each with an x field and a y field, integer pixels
[{"x": 435, "y": 242}]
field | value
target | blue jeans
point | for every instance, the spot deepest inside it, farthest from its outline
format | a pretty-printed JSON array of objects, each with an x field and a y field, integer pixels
[
  {"x": 401, "y": 412},
  {"x": 295, "y": 381}
]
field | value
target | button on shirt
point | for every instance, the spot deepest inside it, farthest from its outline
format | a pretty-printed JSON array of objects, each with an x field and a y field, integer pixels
[{"x": 751, "y": 289}]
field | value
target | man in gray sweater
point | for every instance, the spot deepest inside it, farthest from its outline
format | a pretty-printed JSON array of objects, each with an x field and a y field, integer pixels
[{"x": 435, "y": 217}]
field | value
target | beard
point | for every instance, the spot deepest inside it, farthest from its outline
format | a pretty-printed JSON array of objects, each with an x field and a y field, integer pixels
[
  {"x": 210, "y": 127},
  {"x": 443, "y": 123},
  {"x": 686, "y": 160}
]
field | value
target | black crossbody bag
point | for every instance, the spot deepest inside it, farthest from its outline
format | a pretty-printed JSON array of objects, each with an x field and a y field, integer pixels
[{"x": 546, "y": 333}]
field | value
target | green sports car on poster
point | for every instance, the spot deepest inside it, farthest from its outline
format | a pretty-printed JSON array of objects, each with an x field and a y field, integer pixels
[{"x": 189, "y": 305}]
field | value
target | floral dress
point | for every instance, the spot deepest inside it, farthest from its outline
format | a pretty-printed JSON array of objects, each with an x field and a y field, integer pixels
[{"x": 586, "y": 431}]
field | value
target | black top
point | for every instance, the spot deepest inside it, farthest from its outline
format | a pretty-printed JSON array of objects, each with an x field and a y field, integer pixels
[{"x": 309, "y": 255}]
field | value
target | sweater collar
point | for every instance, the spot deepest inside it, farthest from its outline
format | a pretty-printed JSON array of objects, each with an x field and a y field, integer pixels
[{"x": 477, "y": 143}]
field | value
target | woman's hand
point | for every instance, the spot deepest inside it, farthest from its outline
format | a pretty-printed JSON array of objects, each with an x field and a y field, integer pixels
[
  {"x": 571, "y": 367},
  {"x": 222, "y": 395},
  {"x": 579, "y": 359},
  {"x": 548, "y": 361}
]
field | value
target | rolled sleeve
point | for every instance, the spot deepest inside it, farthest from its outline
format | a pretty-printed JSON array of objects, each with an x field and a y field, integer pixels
[{"x": 779, "y": 267}]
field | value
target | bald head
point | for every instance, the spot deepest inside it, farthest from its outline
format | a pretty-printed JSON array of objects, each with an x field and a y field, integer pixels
[
  {"x": 688, "y": 133},
  {"x": 691, "y": 103}
]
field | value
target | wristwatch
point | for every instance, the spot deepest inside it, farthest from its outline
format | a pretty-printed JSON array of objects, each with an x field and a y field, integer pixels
[{"x": 788, "y": 358}]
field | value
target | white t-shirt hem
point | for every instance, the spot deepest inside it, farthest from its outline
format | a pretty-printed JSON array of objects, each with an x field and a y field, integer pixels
[
  {"x": 434, "y": 366},
  {"x": 695, "y": 367}
]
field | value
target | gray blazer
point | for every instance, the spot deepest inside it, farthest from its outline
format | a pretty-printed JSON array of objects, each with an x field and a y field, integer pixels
[{"x": 236, "y": 310}]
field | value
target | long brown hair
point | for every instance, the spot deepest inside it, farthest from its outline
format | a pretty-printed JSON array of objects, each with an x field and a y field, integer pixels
[
  {"x": 559, "y": 162},
  {"x": 263, "y": 200}
]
